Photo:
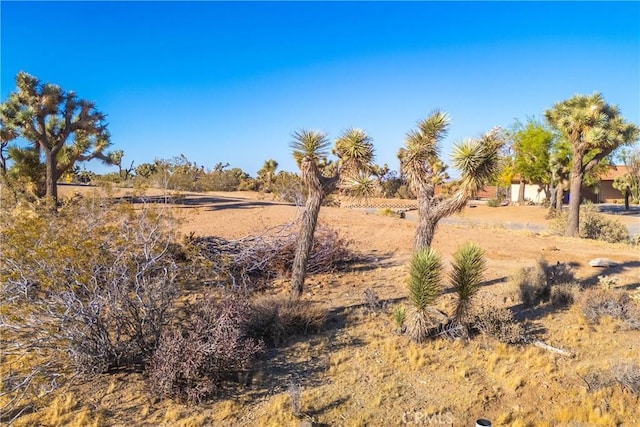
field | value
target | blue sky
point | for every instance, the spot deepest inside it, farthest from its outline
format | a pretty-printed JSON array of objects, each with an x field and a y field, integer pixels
[{"x": 230, "y": 82}]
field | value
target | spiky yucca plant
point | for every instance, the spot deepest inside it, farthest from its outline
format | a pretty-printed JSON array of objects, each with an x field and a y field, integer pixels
[
  {"x": 466, "y": 276},
  {"x": 425, "y": 285}
]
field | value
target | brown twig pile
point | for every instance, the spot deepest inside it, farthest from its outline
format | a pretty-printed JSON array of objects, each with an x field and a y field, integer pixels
[{"x": 251, "y": 262}]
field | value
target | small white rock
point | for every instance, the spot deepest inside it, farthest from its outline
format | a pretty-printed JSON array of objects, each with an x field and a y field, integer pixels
[{"x": 602, "y": 262}]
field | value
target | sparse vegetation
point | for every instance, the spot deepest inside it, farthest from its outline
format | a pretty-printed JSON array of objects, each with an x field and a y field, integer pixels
[
  {"x": 250, "y": 263},
  {"x": 536, "y": 283},
  {"x": 597, "y": 303},
  {"x": 88, "y": 289}
]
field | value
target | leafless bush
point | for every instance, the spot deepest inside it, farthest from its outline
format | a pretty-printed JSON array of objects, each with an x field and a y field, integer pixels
[
  {"x": 496, "y": 322},
  {"x": 616, "y": 304},
  {"x": 295, "y": 395},
  {"x": 194, "y": 360},
  {"x": 628, "y": 376},
  {"x": 250, "y": 263},
  {"x": 371, "y": 300},
  {"x": 273, "y": 319},
  {"x": 87, "y": 289},
  {"x": 624, "y": 373}
]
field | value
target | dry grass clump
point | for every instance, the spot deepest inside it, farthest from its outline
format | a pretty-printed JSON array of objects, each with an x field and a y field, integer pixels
[
  {"x": 273, "y": 319},
  {"x": 252, "y": 262},
  {"x": 496, "y": 322},
  {"x": 535, "y": 283},
  {"x": 532, "y": 284},
  {"x": 563, "y": 295},
  {"x": 597, "y": 303}
]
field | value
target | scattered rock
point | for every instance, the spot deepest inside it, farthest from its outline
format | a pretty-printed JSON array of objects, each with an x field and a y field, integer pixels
[
  {"x": 551, "y": 249},
  {"x": 602, "y": 262}
]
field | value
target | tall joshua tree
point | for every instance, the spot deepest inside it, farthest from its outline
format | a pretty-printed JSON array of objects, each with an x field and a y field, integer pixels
[
  {"x": 354, "y": 150},
  {"x": 594, "y": 130},
  {"x": 59, "y": 125},
  {"x": 477, "y": 159}
]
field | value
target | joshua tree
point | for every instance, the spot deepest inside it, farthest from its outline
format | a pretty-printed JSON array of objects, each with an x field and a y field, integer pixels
[
  {"x": 6, "y": 136},
  {"x": 594, "y": 130},
  {"x": 355, "y": 153},
  {"x": 477, "y": 159},
  {"x": 60, "y": 126},
  {"x": 266, "y": 173},
  {"x": 468, "y": 268},
  {"x": 425, "y": 286}
]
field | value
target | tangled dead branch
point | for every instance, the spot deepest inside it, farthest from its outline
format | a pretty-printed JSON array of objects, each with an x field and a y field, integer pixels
[{"x": 251, "y": 262}]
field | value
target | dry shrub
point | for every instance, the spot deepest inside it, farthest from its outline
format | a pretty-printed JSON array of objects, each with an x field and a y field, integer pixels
[
  {"x": 597, "y": 303},
  {"x": 535, "y": 283},
  {"x": 496, "y": 322},
  {"x": 252, "y": 262},
  {"x": 372, "y": 300},
  {"x": 563, "y": 295},
  {"x": 594, "y": 225},
  {"x": 87, "y": 289},
  {"x": 624, "y": 373},
  {"x": 273, "y": 319},
  {"x": 627, "y": 374},
  {"x": 532, "y": 284},
  {"x": 194, "y": 360}
]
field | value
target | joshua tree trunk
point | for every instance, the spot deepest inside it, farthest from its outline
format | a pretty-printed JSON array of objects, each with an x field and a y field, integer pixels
[
  {"x": 318, "y": 187},
  {"x": 573, "y": 220},
  {"x": 559, "y": 197},
  {"x": 627, "y": 193},
  {"x": 51, "y": 186},
  {"x": 431, "y": 211}
]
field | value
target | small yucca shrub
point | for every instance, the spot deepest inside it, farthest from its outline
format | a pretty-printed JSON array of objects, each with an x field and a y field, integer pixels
[
  {"x": 466, "y": 276},
  {"x": 399, "y": 315},
  {"x": 425, "y": 285}
]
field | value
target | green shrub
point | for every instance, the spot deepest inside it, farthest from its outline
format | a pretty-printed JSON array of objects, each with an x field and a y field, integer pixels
[
  {"x": 399, "y": 315},
  {"x": 493, "y": 203}
]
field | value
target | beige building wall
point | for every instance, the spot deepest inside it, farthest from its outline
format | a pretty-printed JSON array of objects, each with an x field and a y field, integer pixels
[{"x": 532, "y": 193}]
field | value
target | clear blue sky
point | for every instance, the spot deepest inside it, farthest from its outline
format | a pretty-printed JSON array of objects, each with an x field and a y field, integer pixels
[{"x": 230, "y": 82}]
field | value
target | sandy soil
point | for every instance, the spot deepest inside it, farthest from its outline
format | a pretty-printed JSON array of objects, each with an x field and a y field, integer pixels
[{"x": 361, "y": 373}]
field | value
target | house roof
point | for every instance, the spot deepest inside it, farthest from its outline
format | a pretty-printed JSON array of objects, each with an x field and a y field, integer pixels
[{"x": 613, "y": 172}]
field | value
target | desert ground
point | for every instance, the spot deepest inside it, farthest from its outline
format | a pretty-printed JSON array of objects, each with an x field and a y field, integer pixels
[{"x": 359, "y": 371}]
